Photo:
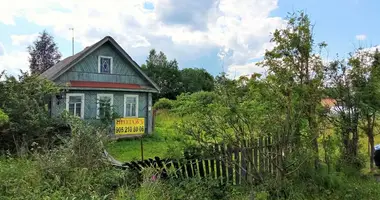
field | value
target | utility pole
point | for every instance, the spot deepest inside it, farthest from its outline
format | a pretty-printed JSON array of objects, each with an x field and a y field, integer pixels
[{"x": 72, "y": 39}]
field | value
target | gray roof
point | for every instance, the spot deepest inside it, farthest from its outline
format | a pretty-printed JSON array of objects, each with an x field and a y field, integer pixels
[{"x": 61, "y": 67}]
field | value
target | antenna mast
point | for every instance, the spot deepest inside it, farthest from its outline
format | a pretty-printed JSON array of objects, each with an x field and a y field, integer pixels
[{"x": 72, "y": 39}]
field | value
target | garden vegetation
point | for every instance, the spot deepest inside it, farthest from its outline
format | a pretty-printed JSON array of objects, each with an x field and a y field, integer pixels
[{"x": 319, "y": 155}]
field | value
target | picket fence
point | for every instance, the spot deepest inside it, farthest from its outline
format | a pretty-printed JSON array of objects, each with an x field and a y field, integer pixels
[{"x": 233, "y": 164}]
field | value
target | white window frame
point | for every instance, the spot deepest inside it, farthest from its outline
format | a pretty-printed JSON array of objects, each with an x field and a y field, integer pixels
[
  {"x": 98, "y": 103},
  {"x": 99, "y": 64},
  {"x": 137, "y": 104},
  {"x": 68, "y": 95}
]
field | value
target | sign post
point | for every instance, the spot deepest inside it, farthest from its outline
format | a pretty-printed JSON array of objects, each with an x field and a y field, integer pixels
[
  {"x": 142, "y": 149},
  {"x": 131, "y": 127}
]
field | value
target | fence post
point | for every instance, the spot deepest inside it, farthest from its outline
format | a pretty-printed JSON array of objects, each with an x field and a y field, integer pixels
[
  {"x": 237, "y": 165},
  {"x": 217, "y": 161},
  {"x": 244, "y": 165},
  {"x": 229, "y": 164},
  {"x": 224, "y": 163}
]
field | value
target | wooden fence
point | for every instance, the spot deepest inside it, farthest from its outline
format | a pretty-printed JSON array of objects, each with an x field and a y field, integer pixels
[{"x": 233, "y": 164}]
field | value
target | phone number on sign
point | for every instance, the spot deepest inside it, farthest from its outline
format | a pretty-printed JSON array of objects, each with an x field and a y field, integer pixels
[{"x": 126, "y": 130}]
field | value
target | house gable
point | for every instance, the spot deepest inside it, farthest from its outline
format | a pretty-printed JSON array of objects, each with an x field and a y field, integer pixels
[
  {"x": 83, "y": 68},
  {"x": 87, "y": 69}
]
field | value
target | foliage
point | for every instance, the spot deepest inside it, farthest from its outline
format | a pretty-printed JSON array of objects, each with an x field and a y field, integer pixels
[
  {"x": 3, "y": 118},
  {"x": 355, "y": 86},
  {"x": 193, "y": 188},
  {"x": 107, "y": 113},
  {"x": 43, "y": 54},
  {"x": 164, "y": 142},
  {"x": 74, "y": 170},
  {"x": 296, "y": 77},
  {"x": 367, "y": 87},
  {"x": 25, "y": 101},
  {"x": 163, "y": 72},
  {"x": 163, "y": 103},
  {"x": 187, "y": 103},
  {"x": 195, "y": 80},
  {"x": 172, "y": 81}
]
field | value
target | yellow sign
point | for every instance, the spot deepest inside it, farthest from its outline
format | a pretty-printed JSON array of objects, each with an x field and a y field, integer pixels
[{"x": 129, "y": 126}]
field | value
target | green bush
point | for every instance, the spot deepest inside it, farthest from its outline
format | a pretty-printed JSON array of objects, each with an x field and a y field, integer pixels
[
  {"x": 3, "y": 118},
  {"x": 76, "y": 169},
  {"x": 191, "y": 103},
  {"x": 163, "y": 103},
  {"x": 192, "y": 188},
  {"x": 24, "y": 100}
]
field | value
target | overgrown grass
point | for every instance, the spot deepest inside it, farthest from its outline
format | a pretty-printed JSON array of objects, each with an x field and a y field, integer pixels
[
  {"x": 76, "y": 170},
  {"x": 164, "y": 142}
]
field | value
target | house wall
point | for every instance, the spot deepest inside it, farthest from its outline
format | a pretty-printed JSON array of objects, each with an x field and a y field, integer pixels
[
  {"x": 87, "y": 69},
  {"x": 90, "y": 105},
  {"x": 122, "y": 72}
]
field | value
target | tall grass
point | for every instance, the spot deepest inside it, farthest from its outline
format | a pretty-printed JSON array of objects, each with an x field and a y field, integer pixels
[{"x": 164, "y": 142}]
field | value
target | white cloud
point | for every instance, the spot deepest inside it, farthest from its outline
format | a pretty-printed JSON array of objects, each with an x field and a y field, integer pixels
[
  {"x": 235, "y": 71},
  {"x": 361, "y": 37},
  {"x": 13, "y": 62},
  {"x": 239, "y": 28},
  {"x": 23, "y": 40},
  {"x": 2, "y": 49}
]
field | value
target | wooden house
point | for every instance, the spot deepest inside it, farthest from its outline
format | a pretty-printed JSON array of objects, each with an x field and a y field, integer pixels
[{"x": 102, "y": 71}]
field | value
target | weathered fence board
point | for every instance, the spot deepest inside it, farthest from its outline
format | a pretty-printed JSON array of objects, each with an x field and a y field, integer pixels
[{"x": 233, "y": 164}]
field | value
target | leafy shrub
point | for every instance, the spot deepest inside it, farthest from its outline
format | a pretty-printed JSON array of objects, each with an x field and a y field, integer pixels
[
  {"x": 153, "y": 187},
  {"x": 3, "y": 118},
  {"x": 76, "y": 169},
  {"x": 163, "y": 103},
  {"x": 196, "y": 102},
  {"x": 24, "y": 100}
]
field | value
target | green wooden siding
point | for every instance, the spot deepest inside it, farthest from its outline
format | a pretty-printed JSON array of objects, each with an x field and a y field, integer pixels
[
  {"x": 87, "y": 69},
  {"x": 90, "y": 103},
  {"x": 122, "y": 72}
]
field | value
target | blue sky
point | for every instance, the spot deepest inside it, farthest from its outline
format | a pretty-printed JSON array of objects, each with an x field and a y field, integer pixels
[{"x": 229, "y": 35}]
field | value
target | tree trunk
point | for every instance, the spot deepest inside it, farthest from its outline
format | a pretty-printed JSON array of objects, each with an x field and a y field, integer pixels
[
  {"x": 371, "y": 144},
  {"x": 314, "y": 134},
  {"x": 371, "y": 141}
]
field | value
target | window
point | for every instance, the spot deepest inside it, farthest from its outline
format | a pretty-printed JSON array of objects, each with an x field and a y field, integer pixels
[
  {"x": 105, "y": 64},
  {"x": 104, "y": 104},
  {"x": 131, "y": 105},
  {"x": 75, "y": 104}
]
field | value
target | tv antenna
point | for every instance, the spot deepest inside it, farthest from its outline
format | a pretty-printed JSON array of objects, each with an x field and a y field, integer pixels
[{"x": 72, "y": 39}]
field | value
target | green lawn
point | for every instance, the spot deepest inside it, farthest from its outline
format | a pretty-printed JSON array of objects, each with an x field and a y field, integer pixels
[{"x": 164, "y": 142}]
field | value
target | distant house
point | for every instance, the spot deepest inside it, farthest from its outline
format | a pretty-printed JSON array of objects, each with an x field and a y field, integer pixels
[
  {"x": 328, "y": 103},
  {"x": 102, "y": 71},
  {"x": 331, "y": 105}
]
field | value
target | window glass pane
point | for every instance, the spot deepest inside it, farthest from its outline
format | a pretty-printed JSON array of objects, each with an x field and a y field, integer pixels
[
  {"x": 75, "y": 99},
  {"x": 78, "y": 109},
  {"x": 71, "y": 108},
  {"x": 133, "y": 109},
  {"x": 101, "y": 111},
  {"x": 104, "y": 105},
  {"x": 128, "y": 109},
  {"x": 130, "y": 100},
  {"x": 75, "y": 105},
  {"x": 105, "y": 65},
  {"x": 130, "y": 106}
]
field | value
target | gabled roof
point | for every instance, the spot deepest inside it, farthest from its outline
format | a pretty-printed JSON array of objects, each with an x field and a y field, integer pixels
[{"x": 64, "y": 65}]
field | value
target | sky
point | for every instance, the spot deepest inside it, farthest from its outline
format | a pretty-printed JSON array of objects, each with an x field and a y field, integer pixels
[{"x": 219, "y": 35}]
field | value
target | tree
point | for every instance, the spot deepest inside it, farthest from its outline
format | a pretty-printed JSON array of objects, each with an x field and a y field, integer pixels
[
  {"x": 372, "y": 101},
  {"x": 195, "y": 80},
  {"x": 366, "y": 88},
  {"x": 296, "y": 74},
  {"x": 165, "y": 73},
  {"x": 339, "y": 79},
  {"x": 43, "y": 54}
]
